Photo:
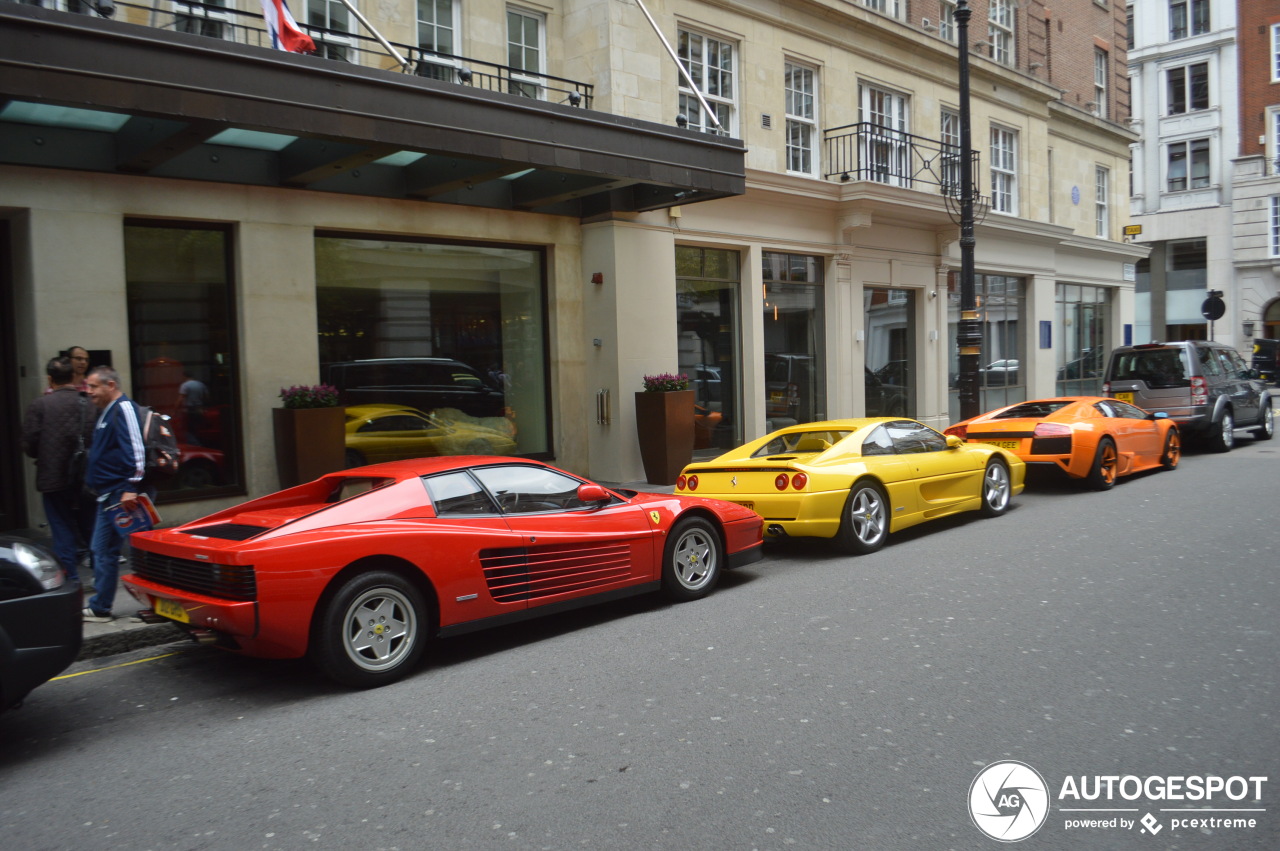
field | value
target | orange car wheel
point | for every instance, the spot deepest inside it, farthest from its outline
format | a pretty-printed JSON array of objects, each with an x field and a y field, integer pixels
[
  {"x": 1105, "y": 465},
  {"x": 1172, "y": 450}
]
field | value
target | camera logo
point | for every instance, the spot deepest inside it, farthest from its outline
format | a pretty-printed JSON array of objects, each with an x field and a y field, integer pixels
[{"x": 1008, "y": 801}]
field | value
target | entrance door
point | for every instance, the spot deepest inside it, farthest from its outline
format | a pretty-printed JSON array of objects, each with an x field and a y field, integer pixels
[
  {"x": 890, "y": 373},
  {"x": 707, "y": 292},
  {"x": 13, "y": 511}
]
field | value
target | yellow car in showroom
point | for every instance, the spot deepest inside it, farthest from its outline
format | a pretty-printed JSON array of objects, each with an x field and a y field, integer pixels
[
  {"x": 855, "y": 481},
  {"x": 377, "y": 433}
]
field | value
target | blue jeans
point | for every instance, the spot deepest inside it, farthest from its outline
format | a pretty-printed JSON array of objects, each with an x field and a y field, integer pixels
[
  {"x": 108, "y": 539},
  {"x": 71, "y": 520}
]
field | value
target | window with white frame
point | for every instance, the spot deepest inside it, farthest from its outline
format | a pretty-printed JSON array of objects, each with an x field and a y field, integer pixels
[
  {"x": 204, "y": 19},
  {"x": 1188, "y": 18},
  {"x": 526, "y": 51},
  {"x": 952, "y": 155},
  {"x": 1188, "y": 165},
  {"x": 438, "y": 39},
  {"x": 889, "y": 7},
  {"x": 802, "y": 118},
  {"x": 1187, "y": 88},
  {"x": 1004, "y": 170},
  {"x": 1273, "y": 139},
  {"x": 1275, "y": 53},
  {"x": 884, "y": 150},
  {"x": 1100, "y": 64},
  {"x": 334, "y": 21},
  {"x": 1274, "y": 235},
  {"x": 947, "y": 20},
  {"x": 1000, "y": 31},
  {"x": 711, "y": 63},
  {"x": 1101, "y": 210}
]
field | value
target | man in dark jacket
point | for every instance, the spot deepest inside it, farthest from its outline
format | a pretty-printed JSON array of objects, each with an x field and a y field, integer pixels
[
  {"x": 55, "y": 426},
  {"x": 117, "y": 462}
]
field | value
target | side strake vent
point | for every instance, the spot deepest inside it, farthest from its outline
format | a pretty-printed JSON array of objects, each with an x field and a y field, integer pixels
[{"x": 536, "y": 572}]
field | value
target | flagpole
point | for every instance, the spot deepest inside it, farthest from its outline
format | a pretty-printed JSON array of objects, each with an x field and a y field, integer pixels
[
  {"x": 683, "y": 71},
  {"x": 404, "y": 63}
]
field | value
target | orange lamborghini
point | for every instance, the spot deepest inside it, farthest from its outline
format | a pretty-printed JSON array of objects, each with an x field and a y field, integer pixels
[{"x": 1088, "y": 437}]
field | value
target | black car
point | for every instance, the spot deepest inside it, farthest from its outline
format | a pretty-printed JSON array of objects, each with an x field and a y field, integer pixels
[
  {"x": 40, "y": 624},
  {"x": 423, "y": 383}
]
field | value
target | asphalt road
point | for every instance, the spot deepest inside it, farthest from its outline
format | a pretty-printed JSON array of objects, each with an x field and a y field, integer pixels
[{"x": 815, "y": 701}]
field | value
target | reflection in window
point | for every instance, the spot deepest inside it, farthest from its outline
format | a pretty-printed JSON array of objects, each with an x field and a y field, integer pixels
[
  {"x": 530, "y": 490},
  {"x": 708, "y": 323},
  {"x": 182, "y": 349},
  {"x": 1084, "y": 320},
  {"x": 458, "y": 494},
  {"x": 450, "y": 333},
  {"x": 795, "y": 381},
  {"x": 1000, "y": 308}
]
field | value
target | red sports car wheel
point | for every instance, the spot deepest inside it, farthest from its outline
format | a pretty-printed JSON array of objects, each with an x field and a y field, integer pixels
[
  {"x": 372, "y": 632},
  {"x": 692, "y": 560}
]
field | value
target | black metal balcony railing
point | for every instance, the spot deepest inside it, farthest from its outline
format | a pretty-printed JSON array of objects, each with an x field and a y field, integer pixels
[
  {"x": 219, "y": 22},
  {"x": 873, "y": 152}
]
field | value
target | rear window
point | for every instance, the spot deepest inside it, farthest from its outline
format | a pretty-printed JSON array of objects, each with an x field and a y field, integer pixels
[
  {"x": 1033, "y": 410},
  {"x": 1156, "y": 367},
  {"x": 801, "y": 441}
]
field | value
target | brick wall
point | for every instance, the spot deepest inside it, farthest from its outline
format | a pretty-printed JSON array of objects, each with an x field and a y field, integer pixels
[{"x": 1257, "y": 91}]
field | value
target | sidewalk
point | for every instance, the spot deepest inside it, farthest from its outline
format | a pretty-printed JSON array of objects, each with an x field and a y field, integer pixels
[{"x": 105, "y": 639}]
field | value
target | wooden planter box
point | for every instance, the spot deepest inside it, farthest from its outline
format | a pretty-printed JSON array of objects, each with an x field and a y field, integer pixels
[
  {"x": 664, "y": 424},
  {"x": 310, "y": 442}
]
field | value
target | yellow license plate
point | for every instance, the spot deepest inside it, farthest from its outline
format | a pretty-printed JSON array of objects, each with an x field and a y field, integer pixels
[
  {"x": 171, "y": 610},
  {"x": 750, "y": 505},
  {"x": 1003, "y": 444},
  {"x": 1125, "y": 397}
]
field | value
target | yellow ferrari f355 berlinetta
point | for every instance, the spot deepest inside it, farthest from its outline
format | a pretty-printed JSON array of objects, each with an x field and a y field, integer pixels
[{"x": 856, "y": 480}]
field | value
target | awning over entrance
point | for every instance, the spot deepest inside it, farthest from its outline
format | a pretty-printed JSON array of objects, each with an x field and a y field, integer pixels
[{"x": 101, "y": 95}]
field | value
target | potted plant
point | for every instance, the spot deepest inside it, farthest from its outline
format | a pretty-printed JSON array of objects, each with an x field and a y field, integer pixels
[
  {"x": 310, "y": 433},
  {"x": 664, "y": 424}
]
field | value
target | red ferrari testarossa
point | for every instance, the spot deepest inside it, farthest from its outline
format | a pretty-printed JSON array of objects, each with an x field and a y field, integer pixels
[{"x": 359, "y": 569}]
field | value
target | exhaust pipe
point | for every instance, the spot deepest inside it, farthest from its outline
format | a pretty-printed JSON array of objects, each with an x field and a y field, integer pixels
[
  {"x": 203, "y": 636},
  {"x": 776, "y": 530}
]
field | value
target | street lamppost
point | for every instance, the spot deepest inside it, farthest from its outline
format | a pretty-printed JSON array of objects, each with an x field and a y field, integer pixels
[{"x": 969, "y": 331}]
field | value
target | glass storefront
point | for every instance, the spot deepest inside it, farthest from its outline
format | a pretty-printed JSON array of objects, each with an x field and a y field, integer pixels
[
  {"x": 890, "y": 330},
  {"x": 794, "y": 368},
  {"x": 708, "y": 332},
  {"x": 1002, "y": 378},
  {"x": 182, "y": 349},
  {"x": 1083, "y": 318},
  {"x": 437, "y": 349}
]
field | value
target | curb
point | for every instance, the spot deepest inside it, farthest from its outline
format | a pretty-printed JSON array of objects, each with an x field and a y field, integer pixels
[{"x": 131, "y": 638}]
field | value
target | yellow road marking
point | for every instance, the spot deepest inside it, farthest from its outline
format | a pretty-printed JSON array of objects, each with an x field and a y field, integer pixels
[{"x": 121, "y": 665}]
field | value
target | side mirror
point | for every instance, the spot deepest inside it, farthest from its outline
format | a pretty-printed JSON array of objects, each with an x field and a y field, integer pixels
[
  {"x": 592, "y": 493},
  {"x": 1159, "y": 415},
  {"x": 953, "y": 441}
]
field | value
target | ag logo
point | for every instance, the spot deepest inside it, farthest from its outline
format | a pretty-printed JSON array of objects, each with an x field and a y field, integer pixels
[{"x": 1008, "y": 801}]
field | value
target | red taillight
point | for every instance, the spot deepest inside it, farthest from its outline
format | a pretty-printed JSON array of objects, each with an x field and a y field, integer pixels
[
  {"x": 960, "y": 431},
  {"x": 680, "y": 482},
  {"x": 1199, "y": 391},
  {"x": 781, "y": 482},
  {"x": 799, "y": 480},
  {"x": 691, "y": 483},
  {"x": 1051, "y": 430}
]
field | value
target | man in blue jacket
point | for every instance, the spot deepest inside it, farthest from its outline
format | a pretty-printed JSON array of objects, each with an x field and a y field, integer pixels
[{"x": 117, "y": 463}]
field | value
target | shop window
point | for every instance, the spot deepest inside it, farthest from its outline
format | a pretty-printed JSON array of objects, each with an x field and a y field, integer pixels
[
  {"x": 708, "y": 283},
  {"x": 1002, "y": 367},
  {"x": 182, "y": 349},
  {"x": 436, "y": 349},
  {"x": 1083, "y": 320},
  {"x": 794, "y": 362}
]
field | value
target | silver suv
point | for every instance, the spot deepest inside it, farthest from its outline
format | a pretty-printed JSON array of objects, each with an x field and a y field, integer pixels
[{"x": 1206, "y": 388}]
